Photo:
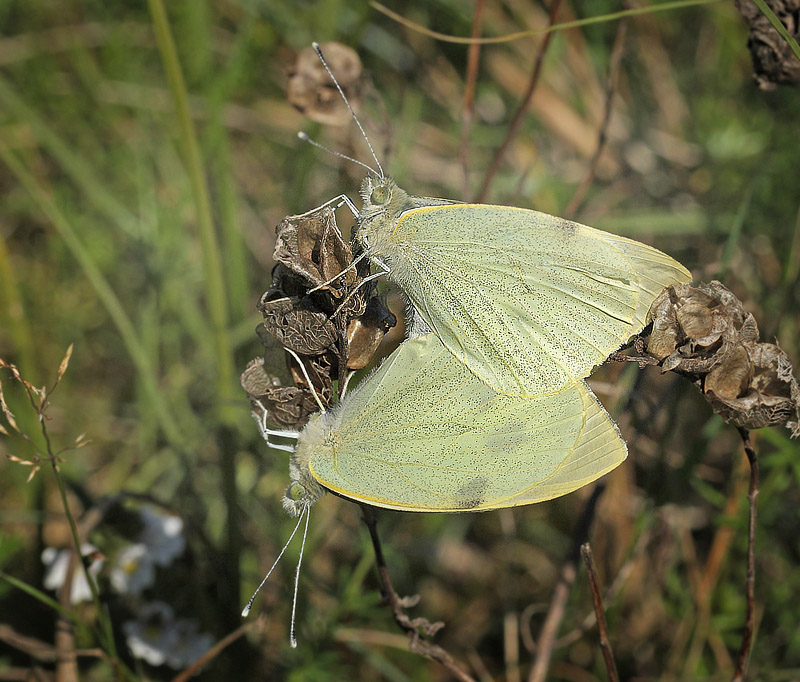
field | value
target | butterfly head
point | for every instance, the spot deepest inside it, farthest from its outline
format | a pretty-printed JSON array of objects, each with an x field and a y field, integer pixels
[
  {"x": 300, "y": 495},
  {"x": 304, "y": 490},
  {"x": 382, "y": 203}
]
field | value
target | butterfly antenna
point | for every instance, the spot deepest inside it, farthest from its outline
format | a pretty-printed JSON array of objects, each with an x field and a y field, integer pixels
[
  {"x": 292, "y": 638},
  {"x": 304, "y": 136},
  {"x": 246, "y": 609},
  {"x": 318, "y": 50},
  {"x": 308, "y": 380}
]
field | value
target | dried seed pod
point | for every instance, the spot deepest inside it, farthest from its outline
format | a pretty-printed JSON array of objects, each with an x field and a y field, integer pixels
[
  {"x": 325, "y": 328},
  {"x": 365, "y": 333},
  {"x": 704, "y": 333},
  {"x": 298, "y": 324},
  {"x": 286, "y": 406},
  {"x": 695, "y": 319},
  {"x": 312, "y": 247},
  {"x": 666, "y": 333},
  {"x": 321, "y": 370},
  {"x": 311, "y": 90},
  {"x": 730, "y": 379},
  {"x": 774, "y": 63}
]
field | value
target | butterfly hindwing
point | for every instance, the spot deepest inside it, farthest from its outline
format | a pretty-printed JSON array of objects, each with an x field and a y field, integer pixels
[{"x": 424, "y": 434}]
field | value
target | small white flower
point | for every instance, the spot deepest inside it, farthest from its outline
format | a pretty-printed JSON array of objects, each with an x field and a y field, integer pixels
[
  {"x": 57, "y": 562},
  {"x": 151, "y": 637},
  {"x": 133, "y": 570},
  {"x": 190, "y": 646},
  {"x": 157, "y": 637},
  {"x": 163, "y": 535}
]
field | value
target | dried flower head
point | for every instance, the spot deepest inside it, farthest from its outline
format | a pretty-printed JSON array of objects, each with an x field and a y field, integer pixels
[
  {"x": 704, "y": 333},
  {"x": 322, "y": 311},
  {"x": 313, "y": 93}
]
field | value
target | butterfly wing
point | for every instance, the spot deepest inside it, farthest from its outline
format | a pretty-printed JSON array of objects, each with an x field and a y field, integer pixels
[
  {"x": 527, "y": 301},
  {"x": 424, "y": 434}
]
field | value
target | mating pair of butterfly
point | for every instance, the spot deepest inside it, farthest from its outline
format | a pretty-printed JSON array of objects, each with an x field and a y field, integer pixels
[{"x": 484, "y": 406}]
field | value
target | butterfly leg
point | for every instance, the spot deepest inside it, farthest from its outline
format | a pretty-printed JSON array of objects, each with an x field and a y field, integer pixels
[
  {"x": 266, "y": 432},
  {"x": 340, "y": 200}
]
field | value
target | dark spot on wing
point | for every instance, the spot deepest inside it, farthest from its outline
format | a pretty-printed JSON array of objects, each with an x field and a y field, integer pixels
[
  {"x": 568, "y": 228},
  {"x": 473, "y": 493}
]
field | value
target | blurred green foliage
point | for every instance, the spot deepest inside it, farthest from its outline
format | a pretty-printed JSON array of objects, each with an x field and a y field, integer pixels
[{"x": 102, "y": 245}]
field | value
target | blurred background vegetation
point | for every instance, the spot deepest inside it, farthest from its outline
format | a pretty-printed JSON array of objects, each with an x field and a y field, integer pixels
[{"x": 137, "y": 223}]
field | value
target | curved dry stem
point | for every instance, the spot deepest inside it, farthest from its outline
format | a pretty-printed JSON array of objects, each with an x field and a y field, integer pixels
[
  {"x": 411, "y": 626},
  {"x": 750, "y": 583},
  {"x": 555, "y": 614}
]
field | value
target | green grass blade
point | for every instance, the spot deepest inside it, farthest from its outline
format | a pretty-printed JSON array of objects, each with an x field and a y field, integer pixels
[
  {"x": 105, "y": 293},
  {"x": 75, "y": 167},
  {"x": 778, "y": 26},
  {"x": 214, "y": 279}
]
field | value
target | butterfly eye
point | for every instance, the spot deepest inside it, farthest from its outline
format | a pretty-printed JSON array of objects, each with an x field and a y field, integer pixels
[
  {"x": 380, "y": 195},
  {"x": 295, "y": 492}
]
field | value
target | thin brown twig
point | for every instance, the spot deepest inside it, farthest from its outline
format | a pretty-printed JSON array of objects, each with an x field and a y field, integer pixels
[
  {"x": 750, "y": 583},
  {"x": 550, "y": 628},
  {"x": 642, "y": 360},
  {"x": 555, "y": 613},
  {"x": 602, "y": 137},
  {"x": 612, "y": 592},
  {"x": 40, "y": 650},
  {"x": 411, "y": 626},
  {"x": 214, "y": 651},
  {"x": 522, "y": 110},
  {"x": 597, "y": 598},
  {"x": 66, "y": 656},
  {"x": 468, "y": 110}
]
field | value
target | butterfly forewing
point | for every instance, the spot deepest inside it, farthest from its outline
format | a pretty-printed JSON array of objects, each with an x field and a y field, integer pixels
[{"x": 527, "y": 301}]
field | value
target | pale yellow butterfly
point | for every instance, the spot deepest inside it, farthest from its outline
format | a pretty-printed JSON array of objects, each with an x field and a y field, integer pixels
[
  {"x": 528, "y": 301},
  {"x": 423, "y": 433}
]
